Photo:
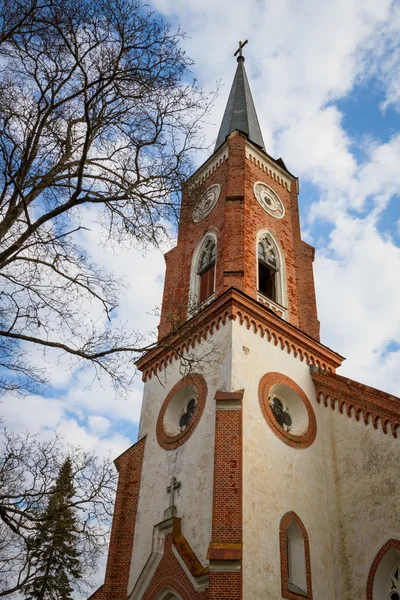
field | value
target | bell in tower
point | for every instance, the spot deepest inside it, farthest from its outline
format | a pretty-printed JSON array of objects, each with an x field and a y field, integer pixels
[{"x": 243, "y": 483}]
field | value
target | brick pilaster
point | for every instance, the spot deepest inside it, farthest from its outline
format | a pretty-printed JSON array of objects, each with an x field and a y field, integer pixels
[
  {"x": 225, "y": 550},
  {"x": 129, "y": 466}
]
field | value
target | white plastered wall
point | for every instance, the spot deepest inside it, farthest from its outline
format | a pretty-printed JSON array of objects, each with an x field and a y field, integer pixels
[
  {"x": 192, "y": 463},
  {"x": 276, "y": 477},
  {"x": 364, "y": 492},
  {"x": 345, "y": 487}
]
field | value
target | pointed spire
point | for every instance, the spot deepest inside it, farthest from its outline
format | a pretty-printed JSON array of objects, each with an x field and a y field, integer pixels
[{"x": 240, "y": 112}]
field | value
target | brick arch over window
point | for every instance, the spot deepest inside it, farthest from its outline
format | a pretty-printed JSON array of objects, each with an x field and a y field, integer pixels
[
  {"x": 287, "y": 589},
  {"x": 391, "y": 550},
  {"x": 168, "y": 594}
]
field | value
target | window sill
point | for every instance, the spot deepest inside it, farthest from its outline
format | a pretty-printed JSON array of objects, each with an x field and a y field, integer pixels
[
  {"x": 195, "y": 311},
  {"x": 280, "y": 310}
]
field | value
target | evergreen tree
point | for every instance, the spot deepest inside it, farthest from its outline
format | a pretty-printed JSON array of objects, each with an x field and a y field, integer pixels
[{"x": 55, "y": 555}]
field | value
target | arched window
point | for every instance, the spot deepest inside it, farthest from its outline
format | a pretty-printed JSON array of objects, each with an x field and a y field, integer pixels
[
  {"x": 384, "y": 576},
  {"x": 270, "y": 272},
  {"x": 295, "y": 558},
  {"x": 203, "y": 276}
]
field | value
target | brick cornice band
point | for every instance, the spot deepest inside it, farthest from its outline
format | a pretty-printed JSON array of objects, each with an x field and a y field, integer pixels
[
  {"x": 358, "y": 399},
  {"x": 235, "y": 305},
  {"x": 224, "y": 551}
]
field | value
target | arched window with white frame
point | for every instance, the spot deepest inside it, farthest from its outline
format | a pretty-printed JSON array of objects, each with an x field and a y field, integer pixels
[
  {"x": 295, "y": 558},
  {"x": 271, "y": 280},
  {"x": 202, "y": 286}
]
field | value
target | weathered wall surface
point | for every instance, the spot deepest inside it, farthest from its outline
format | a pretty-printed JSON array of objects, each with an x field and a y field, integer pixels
[
  {"x": 191, "y": 463},
  {"x": 276, "y": 477},
  {"x": 344, "y": 487},
  {"x": 364, "y": 491}
]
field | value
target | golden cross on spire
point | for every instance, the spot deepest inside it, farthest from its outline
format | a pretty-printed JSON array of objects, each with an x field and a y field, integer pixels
[{"x": 239, "y": 50}]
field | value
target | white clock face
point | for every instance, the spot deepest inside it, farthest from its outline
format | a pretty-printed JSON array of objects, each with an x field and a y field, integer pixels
[
  {"x": 206, "y": 202},
  {"x": 269, "y": 200}
]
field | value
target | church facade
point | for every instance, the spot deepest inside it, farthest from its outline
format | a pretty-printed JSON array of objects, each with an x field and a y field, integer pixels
[{"x": 259, "y": 472}]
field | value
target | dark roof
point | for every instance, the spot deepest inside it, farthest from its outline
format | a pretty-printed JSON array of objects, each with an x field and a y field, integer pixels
[{"x": 240, "y": 112}]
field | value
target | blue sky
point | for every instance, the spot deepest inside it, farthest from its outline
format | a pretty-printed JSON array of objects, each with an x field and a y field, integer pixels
[{"x": 326, "y": 84}]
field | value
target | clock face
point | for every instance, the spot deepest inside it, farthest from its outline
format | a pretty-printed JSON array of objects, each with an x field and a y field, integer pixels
[
  {"x": 269, "y": 200},
  {"x": 206, "y": 202}
]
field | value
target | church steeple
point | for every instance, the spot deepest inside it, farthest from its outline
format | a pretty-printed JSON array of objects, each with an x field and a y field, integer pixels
[{"x": 240, "y": 112}]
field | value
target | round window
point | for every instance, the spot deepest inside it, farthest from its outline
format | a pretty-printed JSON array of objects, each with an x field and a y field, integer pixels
[
  {"x": 181, "y": 411},
  {"x": 287, "y": 410}
]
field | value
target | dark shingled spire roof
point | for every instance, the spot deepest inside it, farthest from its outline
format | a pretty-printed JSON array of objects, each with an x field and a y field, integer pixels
[{"x": 240, "y": 112}]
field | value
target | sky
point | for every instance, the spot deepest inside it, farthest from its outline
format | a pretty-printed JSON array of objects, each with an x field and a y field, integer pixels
[{"x": 325, "y": 79}]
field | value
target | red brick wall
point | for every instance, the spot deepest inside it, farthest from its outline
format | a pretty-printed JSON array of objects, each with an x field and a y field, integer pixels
[
  {"x": 236, "y": 220},
  {"x": 129, "y": 466},
  {"x": 169, "y": 573}
]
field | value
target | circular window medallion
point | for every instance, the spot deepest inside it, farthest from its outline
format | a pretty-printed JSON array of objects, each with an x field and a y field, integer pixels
[
  {"x": 287, "y": 410},
  {"x": 181, "y": 411},
  {"x": 206, "y": 202},
  {"x": 269, "y": 200}
]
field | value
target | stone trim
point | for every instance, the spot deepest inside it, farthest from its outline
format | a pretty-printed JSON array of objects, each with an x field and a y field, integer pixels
[
  {"x": 358, "y": 400},
  {"x": 392, "y": 543},
  {"x": 284, "y": 524},
  {"x": 225, "y": 566},
  {"x": 229, "y": 400},
  {"x": 185, "y": 550},
  {"x": 171, "y": 442},
  {"x": 295, "y": 441},
  {"x": 210, "y": 166},
  {"x": 235, "y": 305}
]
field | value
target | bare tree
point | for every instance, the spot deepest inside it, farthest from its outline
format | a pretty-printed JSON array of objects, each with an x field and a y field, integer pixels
[
  {"x": 29, "y": 467},
  {"x": 97, "y": 120}
]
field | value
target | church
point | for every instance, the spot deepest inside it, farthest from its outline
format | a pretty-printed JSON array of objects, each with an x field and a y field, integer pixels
[{"x": 259, "y": 473}]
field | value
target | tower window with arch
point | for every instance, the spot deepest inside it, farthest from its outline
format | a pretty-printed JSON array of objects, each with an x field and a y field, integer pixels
[
  {"x": 206, "y": 270},
  {"x": 269, "y": 269}
]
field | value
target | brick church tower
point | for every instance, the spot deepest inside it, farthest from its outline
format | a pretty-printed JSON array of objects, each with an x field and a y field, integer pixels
[{"x": 260, "y": 473}]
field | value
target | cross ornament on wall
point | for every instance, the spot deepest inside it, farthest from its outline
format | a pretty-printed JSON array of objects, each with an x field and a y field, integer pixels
[
  {"x": 241, "y": 46},
  {"x": 171, "y": 510}
]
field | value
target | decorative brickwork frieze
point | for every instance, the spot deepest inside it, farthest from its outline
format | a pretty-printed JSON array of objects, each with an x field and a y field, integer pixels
[
  {"x": 358, "y": 400},
  {"x": 235, "y": 305},
  {"x": 286, "y": 592},
  {"x": 389, "y": 545},
  {"x": 295, "y": 441},
  {"x": 171, "y": 442},
  {"x": 129, "y": 466}
]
